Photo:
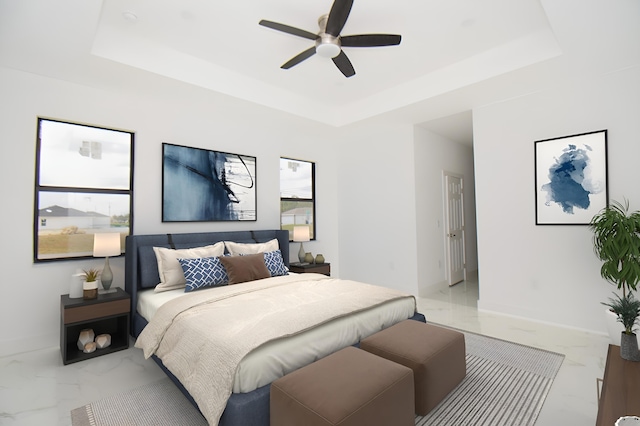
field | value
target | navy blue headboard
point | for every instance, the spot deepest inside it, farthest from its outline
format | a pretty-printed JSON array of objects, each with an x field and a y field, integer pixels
[{"x": 141, "y": 267}]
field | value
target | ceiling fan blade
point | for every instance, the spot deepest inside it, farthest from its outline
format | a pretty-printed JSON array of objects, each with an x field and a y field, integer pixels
[
  {"x": 338, "y": 16},
  {"x": 288, "y": 29},
  {"x": 344, "y": 65},
  {"x": 370, "y": 40},
  {"x": 299, "y": 58}
]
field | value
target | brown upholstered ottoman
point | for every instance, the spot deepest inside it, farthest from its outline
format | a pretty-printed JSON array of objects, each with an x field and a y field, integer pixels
[
  {"x": 435, "y": 354},
  {"x": 348, "y": 388}
]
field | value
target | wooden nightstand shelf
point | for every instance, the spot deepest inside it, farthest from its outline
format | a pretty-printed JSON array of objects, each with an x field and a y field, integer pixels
[
  {"x": 108, "y": 314},
  {"x": 305, "y": 268}
]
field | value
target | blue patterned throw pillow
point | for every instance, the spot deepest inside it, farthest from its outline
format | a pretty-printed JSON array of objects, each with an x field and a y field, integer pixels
[
  {"x": 203, "y": 272},
  {"x": 275, "y": 264}
]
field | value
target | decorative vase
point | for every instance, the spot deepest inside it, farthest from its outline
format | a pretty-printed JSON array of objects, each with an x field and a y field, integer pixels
[
  {"x": 308, "y": 258},
  {"x": 319, "y": 258},
  {"x": 89, "y": 290},
  {"x": 629, "y": 347}
]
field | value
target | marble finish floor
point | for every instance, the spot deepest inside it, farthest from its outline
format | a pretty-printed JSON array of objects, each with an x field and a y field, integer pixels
[
  {"x": 573, "y": 399},
  {"x": 36, "y": 389}
]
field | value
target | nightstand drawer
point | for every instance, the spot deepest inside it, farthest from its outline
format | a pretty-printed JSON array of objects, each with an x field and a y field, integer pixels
[{"x": 98, "y": 310}]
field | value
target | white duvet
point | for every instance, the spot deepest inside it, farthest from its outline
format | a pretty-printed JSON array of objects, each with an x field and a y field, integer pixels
[{"x": 209, "y": 337}]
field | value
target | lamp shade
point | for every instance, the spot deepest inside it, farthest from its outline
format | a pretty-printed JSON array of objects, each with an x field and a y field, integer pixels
[
  {"x": 105, "y": 245},
  {"x": 301, "y": 233}
]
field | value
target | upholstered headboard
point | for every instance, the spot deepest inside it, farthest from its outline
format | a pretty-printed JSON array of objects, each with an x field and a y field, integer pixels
[{"x": 141, "y": 267}]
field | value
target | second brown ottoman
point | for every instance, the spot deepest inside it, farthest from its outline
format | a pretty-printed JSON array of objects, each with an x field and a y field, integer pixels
[
  {"x": 348, "y": 388},
  {"x": 435, "y": 354}
]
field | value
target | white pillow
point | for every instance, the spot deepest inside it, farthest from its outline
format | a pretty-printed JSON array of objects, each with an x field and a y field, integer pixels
[
  {"x": 169, "y": 269},
  {"x": 251, "y": 248}
]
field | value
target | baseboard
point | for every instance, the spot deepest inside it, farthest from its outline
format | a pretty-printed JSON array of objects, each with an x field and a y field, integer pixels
[
  {"x": 425, "y": 290},
  {"x": 471, "y": 275},
  {"x": 18, "y": 346},
  {"x": 493, "y": 310}
]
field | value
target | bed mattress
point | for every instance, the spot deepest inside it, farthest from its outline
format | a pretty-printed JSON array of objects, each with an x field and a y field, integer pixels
[{"x": 278, "y": 357}]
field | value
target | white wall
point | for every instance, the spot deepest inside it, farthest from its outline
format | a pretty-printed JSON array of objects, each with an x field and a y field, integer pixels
[
  {"x": 170, "y": 112},
  {"x": 433, "y": 155},
  {"x": 377, "y": 205},
  {"x": 548, "y": 273},
  {"x": 370, "y": 206}
]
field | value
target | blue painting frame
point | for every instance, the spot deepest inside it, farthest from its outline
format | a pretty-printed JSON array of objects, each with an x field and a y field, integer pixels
[
  {"x": 571, "y": 182},
  {"x": 200, "y": 185}
]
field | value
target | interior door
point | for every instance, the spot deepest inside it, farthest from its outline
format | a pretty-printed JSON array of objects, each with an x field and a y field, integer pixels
[{"x": 454, "y": 239}]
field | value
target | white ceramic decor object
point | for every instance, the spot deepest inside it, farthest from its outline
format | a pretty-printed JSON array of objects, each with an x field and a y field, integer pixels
[
  {"x": 85, "y": 337},
  {"x": 614, "y": 327},
  {"x": 103, "y": 341},
  {"x": 75, "y": 289},
  {"x": 628, "y": 421}
]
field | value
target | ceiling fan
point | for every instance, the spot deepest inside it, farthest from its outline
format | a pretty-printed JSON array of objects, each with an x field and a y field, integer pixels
[{"x": 329, "y": 42}]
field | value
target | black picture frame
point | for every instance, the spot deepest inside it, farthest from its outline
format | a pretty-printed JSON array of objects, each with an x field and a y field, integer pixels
[
  {"x": 201, "y": 185},
  {"x": 571, "y": 181}
]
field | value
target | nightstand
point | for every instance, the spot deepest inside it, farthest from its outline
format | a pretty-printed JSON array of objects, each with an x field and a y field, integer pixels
[
  {"x": 316, "y": 268},
  {"x": 107, "y": 314}
]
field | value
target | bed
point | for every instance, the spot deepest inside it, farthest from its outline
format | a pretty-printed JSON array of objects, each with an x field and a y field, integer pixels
[{"x": 248, "y": 403}]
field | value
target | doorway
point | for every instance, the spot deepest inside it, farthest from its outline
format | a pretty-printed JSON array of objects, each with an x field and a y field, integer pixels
[{"x": 454, "y": 227}]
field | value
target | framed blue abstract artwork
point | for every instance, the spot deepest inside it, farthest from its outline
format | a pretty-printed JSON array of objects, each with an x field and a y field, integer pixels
[
  {"x": 199, "y": 185},
  {"x": 571, "y": 178}
]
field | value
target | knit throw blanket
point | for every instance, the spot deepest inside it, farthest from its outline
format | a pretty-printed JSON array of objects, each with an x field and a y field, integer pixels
[{"x": 202, "y": 336}]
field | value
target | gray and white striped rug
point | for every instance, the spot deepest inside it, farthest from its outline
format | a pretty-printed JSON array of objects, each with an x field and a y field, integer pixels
[{"x": 506, "y": 384}]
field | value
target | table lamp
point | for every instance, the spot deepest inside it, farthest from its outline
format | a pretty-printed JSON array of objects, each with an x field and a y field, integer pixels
[
  {"x": 105, "y": 245},
  {"x": 301, "y": 234}
]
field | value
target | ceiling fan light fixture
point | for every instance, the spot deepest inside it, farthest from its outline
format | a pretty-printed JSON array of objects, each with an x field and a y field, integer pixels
[{"x": 328, "y": 50}]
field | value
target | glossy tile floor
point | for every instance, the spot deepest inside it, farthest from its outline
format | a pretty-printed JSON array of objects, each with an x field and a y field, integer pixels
[
  {"x": 573, "y": 399},
  {"x": 36, "y": 389}
]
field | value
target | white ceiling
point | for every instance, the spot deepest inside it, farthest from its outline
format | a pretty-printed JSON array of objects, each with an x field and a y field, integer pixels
[{"x": 455, "y": 54}]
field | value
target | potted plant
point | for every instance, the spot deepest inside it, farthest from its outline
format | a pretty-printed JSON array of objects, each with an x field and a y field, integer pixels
[
  {"x": 616, "y": 242},
  {"x": 627, "y": 309},
  {"x": 90, "y": 285}
]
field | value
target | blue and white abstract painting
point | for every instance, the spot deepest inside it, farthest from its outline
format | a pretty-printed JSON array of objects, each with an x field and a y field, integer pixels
[
  {"x": 200, "y": 185},
  {"x": 571, "y": 178}
]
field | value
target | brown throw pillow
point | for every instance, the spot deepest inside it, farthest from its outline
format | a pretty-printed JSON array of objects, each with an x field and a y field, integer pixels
[{"x": 245, "y": 268}]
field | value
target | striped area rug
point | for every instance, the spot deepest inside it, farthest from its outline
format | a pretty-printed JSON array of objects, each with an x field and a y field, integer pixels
[{"x": 506, "y": 384}]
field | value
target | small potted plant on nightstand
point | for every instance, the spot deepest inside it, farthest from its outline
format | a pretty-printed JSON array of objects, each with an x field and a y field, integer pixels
[
  {"x": 627, "y": 309},
  {"x": 616, "y": 242},
  {"x": 90, "y": 285}
]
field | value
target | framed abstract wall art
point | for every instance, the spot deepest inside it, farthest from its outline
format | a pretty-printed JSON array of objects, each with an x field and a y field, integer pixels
[
  {"x": 200, "y": 185},
  {"x": 571, "y": 178}
]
